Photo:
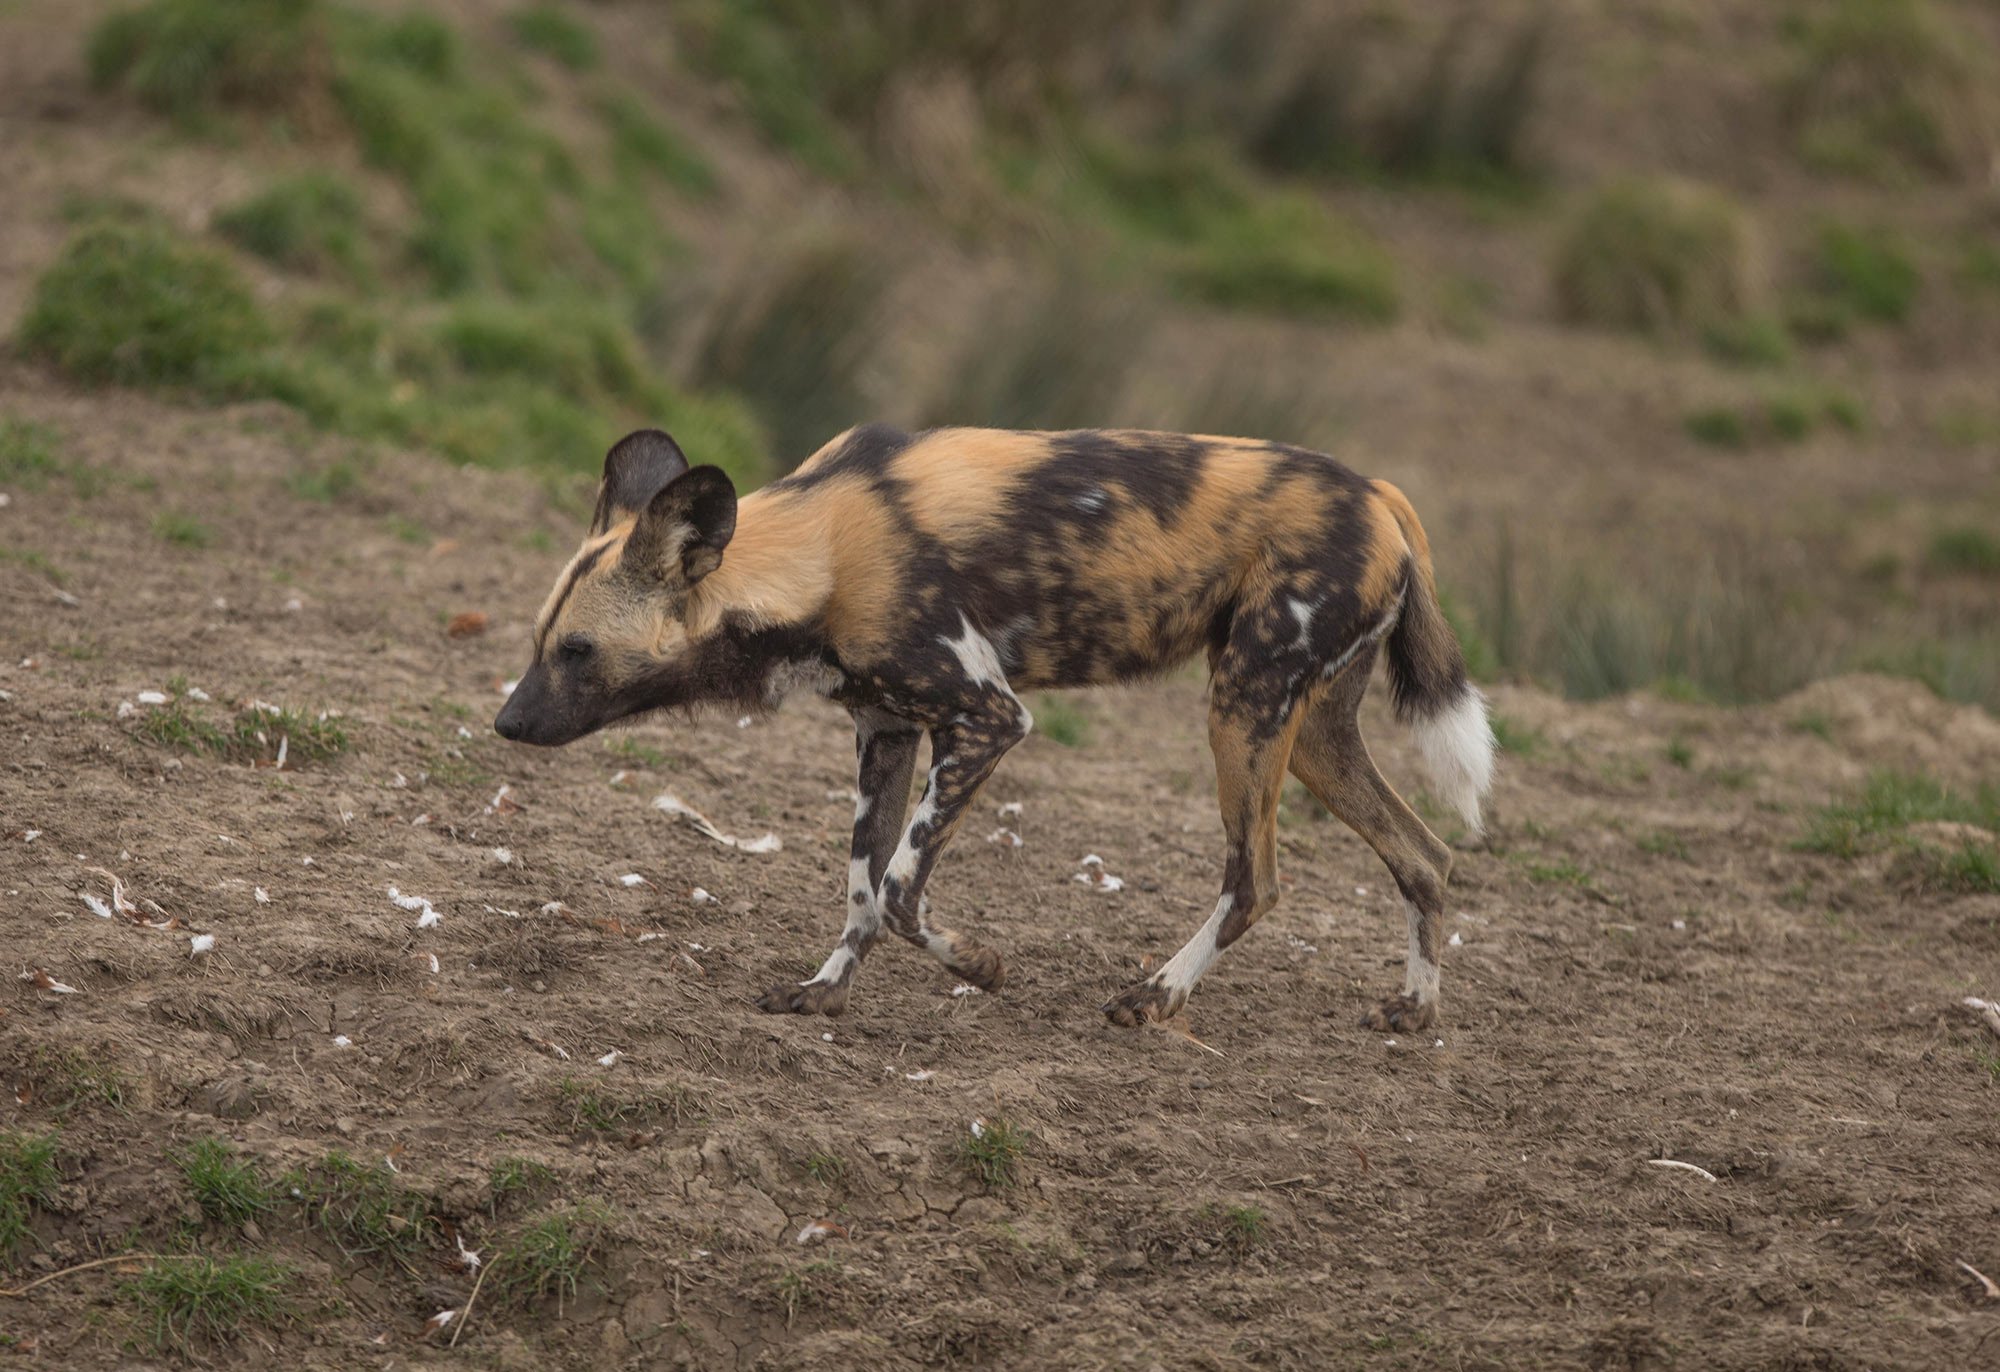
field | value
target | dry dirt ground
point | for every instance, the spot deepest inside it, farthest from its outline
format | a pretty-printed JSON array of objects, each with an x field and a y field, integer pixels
[{"x": 1644, "y": 968}]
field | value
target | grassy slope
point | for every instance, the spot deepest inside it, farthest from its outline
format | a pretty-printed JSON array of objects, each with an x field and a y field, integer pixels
[{"x": 1644, "y": 379}]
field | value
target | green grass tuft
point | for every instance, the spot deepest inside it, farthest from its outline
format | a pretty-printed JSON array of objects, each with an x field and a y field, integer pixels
[
  {"x": 550, "y": 263},
  {"x": 182, "y": 530},
  {"x": 27, "y": 1183},
  {"x": 1867, "y": 271},
  {"x": 550, "y": 1256},
  {"x": 1519, "y": 739},
  {"x": 547, "y": 29},
  {"x": 195, "y": 1304},
  {"x": 640, "y": 142},
  {"x": 511, "y": 1178},
  {"x": 1965, "y": 550},
  {"x": 251, "y": 736},
  {"x": 993, "y": 1151},
  {"x": 364, "y": 1209},
  {"x": 1654, "y": 256},
  {"x": 1561, "y": 872},
  {"x": 192, "y": 59},
  {"x": 312, "y": 222},
  {"x": 1458, "y": 114},
  {"x": 1663, "y": 843},
  {"x": 133, "y": 305},
  {"x": 1061, "y": 720},
  {"x": 1242, "y": 1227},
  {"x": 768, "y": 55},
  {"x": 1968, "y": 869},
  {"x": 1226, "y": 241},
  {"x": 327, "y": 483},
  {"x": 28, "y": 455},
  {"x": 1790, "y": 415},
  {"x": 1890, "y": 803},
  {"x": 604, "y": 1111},
  {"x": 1880, "y": 88},
  {"x": 62, "y": 1079},
  {"x": 413, "y": 42},
  {"x": 1756, "y": 340},
  {"x": 828, "y": 1169},
  {"x": 1719, "y": 426},
  {"x": 227, "y": 1189}
]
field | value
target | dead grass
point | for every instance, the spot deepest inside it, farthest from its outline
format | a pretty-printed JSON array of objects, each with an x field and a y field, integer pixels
[{"x": 1655, "y": 256}]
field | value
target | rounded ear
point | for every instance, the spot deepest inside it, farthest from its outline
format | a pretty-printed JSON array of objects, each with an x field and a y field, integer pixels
[
  {"x": 638, "y": 467},
  {"x": 696, "y": 515}
]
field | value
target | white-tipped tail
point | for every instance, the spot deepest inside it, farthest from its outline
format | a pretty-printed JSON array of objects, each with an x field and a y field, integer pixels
[{"x": 1457, "y": 747}]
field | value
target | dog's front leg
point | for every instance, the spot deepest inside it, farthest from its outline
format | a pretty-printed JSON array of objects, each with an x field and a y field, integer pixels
[
  {"x": 964, "y": 752},
  {"x": 886, "y": 754}
]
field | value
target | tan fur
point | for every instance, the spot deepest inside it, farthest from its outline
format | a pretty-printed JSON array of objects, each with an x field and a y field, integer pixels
[
  {"x": 956, "y": 478},
  {"x": 778, "y": 568},
  {"x": 1388, "y": 554}
]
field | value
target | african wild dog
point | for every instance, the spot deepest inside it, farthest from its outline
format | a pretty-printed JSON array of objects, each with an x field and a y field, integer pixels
[{"x": 921, "y": 579}]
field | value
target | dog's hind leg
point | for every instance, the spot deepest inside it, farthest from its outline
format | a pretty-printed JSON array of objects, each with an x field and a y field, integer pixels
[
  {"x": 1251, "y": 721},
  {"x": 1330, "y": 757}
]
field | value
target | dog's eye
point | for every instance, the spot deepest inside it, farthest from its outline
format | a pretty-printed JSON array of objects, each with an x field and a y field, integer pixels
[{"x": 574, "y": 648}]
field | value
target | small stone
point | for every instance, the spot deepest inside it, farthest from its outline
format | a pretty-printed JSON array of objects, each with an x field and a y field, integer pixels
[
  {"x": 344, "y": 1125},
  {"x": 1129, "y": 1262}
]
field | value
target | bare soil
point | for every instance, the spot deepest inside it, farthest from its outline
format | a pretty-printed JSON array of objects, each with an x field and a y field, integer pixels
[{"x": 1645, "y": 969}]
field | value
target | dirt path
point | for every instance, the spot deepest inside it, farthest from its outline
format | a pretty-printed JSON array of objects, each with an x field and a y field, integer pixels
[{"x": 1646, "y": 969}]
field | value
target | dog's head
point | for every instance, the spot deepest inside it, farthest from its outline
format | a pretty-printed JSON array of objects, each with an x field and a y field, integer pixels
[{"x": 614, "y": 632}]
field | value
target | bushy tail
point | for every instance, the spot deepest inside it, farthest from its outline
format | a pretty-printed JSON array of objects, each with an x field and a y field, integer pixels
[{"x": 1445, "y": 712}]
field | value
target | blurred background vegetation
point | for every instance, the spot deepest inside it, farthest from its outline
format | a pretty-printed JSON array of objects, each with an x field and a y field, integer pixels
[{"x": 1679, "y": 319}]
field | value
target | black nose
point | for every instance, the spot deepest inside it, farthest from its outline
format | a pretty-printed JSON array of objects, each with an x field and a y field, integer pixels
[{"x": 507, "y": 726}]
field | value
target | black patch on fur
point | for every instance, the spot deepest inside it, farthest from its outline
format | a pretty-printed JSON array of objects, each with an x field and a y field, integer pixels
[
  {"x": 1157, "y": 472},
  {"x": 577, "y": 573},
  {"x": 866, "y": 452},
  {"x": 1426, "y": 665},
  {"x": 638, "y": 467}
]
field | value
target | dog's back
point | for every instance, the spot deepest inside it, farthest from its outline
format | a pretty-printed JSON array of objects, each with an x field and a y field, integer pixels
[{"x": 1094, "y": 556}]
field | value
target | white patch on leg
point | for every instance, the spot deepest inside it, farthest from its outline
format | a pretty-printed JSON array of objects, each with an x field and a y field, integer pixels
[
  {"x": 836, "y": 969},
  {"x": 863, "y": 918},
  {"x": 976, "y": 656},
  {"x": 862, "y": 805},
  {"x": 1374, "y": 635},
  {"x": 1457, "y": 748},
  {"x": 860, "y": 895},
  {"x": 1198, "y": 954},
  {"x": 1420, "y": 974},
  {"x": 903, "y": 865}
]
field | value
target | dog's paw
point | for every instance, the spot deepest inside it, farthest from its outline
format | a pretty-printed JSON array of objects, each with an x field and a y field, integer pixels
[
  {"x": 1400, "y": 1014},
  {"x": 810, "y": 998},
  {"x": 1147, "y": 1001},
  {"x": 978, "y": 965}
]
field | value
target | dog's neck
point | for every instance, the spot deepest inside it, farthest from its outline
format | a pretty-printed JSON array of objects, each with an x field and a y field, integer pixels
[{"x": 777, "y": 568}]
